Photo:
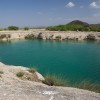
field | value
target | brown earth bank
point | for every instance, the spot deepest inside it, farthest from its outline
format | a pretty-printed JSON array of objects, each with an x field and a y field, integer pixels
[
  {"x": 49, "y": 35},
  {"x": 29, "y": 87}
]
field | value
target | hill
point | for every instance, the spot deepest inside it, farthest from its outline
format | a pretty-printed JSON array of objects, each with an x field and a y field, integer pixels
[
  {"x": 75, "y": 25},
  {"x": 78, "y": 22}
]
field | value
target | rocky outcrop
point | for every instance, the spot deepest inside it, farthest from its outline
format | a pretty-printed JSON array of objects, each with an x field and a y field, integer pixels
[
  {"x": 49, "y": 35},
  {"x": 15, "y": 88},
  {"x": 10, "y": 72}
]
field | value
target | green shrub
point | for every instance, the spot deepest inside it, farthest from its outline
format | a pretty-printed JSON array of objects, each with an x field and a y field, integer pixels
[
  {"x": 26, "y": 28},
  {"x": 32, "y": 70},
  {"x": 1, "y": 72},
  {"x": 20, "y": 74},
  {"x": 55, "y": 80},
  {"x": 13, "y": 28}
]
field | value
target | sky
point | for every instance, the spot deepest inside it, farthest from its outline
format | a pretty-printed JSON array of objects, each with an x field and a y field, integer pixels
[{"x": 35, "y": 13}]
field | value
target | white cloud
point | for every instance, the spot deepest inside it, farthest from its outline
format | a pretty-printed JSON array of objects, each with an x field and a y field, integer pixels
[
  {"x": 70, "y": 5},
  {"x": 95, "y": 4}
]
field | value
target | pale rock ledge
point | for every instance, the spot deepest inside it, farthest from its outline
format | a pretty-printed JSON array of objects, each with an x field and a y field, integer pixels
[{"x": 14, "y": 88}]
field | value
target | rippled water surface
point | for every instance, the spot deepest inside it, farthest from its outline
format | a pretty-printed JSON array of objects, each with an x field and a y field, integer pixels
[{"x": 74, "y": 60}]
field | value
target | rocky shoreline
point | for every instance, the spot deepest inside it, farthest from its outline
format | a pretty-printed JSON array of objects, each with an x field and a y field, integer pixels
[
  {"x": 14, "y": 88},
  {"x": 49, "y": 35}
]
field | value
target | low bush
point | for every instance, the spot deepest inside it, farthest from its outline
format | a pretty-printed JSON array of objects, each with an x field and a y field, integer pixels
[{"x": 20, "y": 74}]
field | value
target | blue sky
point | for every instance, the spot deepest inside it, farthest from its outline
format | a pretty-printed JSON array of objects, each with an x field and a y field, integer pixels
[{"x": 47, "y": 12}]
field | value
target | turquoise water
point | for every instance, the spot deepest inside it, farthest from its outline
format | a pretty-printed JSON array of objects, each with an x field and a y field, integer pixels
[{"x": 74, "y": 60}]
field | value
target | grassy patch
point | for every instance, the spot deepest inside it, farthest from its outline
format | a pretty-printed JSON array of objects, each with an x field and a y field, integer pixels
[
  {"x": 88, "y": 85},
  {"x": 1, "y": 72},
  {"x": 55, "y": 80},
  {"x": 20, "y": 74}
]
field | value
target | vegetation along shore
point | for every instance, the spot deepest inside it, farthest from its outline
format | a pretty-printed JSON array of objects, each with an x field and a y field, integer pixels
[{"x": 75, "y": 30}]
